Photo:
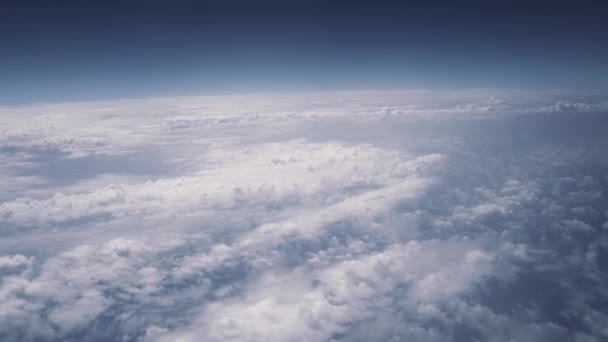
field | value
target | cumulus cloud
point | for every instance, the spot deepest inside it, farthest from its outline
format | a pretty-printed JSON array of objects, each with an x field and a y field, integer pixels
[
  {"x": 314, "y": 302},
  {"x": 253, "y": 176},
  {"x": 377, "y": 216}
]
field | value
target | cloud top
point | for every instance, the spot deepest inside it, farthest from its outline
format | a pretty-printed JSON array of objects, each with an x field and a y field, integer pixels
[{"x": 377, "y": 216}]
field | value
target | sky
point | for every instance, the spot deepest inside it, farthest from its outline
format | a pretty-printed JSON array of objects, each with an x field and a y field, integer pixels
[
  {"x": 88, "y": 50},
  {"x": 303, "y": 171}
]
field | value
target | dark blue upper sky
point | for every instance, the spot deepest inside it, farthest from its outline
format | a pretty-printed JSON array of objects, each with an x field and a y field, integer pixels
[{"x": 80, "y": 50}]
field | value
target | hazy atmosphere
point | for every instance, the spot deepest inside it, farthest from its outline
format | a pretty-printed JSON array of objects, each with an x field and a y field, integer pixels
[{"x": 303, "y": 171}]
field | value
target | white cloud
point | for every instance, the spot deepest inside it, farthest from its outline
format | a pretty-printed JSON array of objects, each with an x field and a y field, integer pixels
[
  {"x": 378, "y": 216},
  {"x": 234, "y": 178},
  {"x": 316, "y": 304}
]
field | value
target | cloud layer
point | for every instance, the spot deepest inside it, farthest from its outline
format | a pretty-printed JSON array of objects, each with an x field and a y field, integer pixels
[{"x": 375, "y": 216}]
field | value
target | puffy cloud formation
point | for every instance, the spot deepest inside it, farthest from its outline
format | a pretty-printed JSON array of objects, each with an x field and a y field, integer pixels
[{"x": 361, "y": 216}]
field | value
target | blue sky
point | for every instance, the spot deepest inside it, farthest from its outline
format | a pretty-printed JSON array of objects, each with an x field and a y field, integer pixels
[{"x": 70, "y": 50}]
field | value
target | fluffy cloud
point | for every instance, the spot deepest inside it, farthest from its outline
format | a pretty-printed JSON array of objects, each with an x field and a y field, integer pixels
[
  {"x": 379, "y": 216},
  {"x": 318, "y": 302},
  {"x": 254, "y": 176}
]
